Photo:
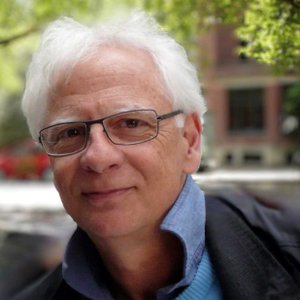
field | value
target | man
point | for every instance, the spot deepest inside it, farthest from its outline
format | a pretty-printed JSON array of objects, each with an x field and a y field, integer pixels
[{"x": 119, "y": 111}]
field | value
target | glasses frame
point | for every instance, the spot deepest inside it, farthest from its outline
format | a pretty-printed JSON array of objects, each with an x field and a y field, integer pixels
[{"x": 101, "y": 121}]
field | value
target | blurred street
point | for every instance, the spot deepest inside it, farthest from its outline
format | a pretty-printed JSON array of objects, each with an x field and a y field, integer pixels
[
  {"x": 33, "y": 233},
  {"x": 275, "y": 187}
]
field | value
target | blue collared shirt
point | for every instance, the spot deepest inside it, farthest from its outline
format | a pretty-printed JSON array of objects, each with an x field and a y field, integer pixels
[{"x": 186, "y": 219}]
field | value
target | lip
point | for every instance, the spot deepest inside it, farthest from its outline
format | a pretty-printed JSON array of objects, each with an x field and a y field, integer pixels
[{"x": 104, "y": 195}]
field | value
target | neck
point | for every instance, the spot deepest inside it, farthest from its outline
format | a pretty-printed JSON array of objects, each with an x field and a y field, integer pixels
[{"x": 139, "y": 268}]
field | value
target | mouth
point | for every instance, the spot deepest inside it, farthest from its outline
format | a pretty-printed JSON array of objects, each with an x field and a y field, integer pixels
[{"x": 99, "y": 196}]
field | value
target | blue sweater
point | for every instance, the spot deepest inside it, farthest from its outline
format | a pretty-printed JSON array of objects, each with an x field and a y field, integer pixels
[{"x": 205, "y": 284}]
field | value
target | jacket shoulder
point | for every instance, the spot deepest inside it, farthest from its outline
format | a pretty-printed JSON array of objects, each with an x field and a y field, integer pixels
[
  {"x": 244, "y": 234},
  {"x": 272, "y": 223},
  {"x": 44, "y": 288}
]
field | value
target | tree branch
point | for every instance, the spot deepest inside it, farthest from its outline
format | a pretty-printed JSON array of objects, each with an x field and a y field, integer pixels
[
  {"x": 294, "y": 3},
  {"x": 5, "y": 42}
]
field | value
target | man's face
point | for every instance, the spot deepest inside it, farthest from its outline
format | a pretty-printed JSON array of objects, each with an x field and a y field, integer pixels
[{"x": 115, "y": 190}]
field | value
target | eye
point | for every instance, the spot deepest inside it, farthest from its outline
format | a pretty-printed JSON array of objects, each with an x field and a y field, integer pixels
[
  {"x": 137, "y": 122},
  {"x": 70, "y": 132},
  {"x": 132, "y": 123}
]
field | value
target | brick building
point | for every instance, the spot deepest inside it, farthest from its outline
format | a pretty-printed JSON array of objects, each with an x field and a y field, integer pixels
[{"x": 245, "y": 118}]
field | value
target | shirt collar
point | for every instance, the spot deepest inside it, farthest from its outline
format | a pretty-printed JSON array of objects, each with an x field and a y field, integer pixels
[{"x": 186, "y": 220}]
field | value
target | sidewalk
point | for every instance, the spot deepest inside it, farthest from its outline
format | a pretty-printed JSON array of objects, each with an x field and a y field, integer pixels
[
  {"x": 29, "y": 195},
  {"x": 250, "y": 176}
]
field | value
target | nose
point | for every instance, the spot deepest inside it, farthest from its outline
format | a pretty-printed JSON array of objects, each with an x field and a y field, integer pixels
[{"x": 100, "y": 154}]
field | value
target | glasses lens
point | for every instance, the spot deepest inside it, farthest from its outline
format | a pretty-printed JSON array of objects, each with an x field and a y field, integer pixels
[
  {"x": 132, "y": 127},
  {"x": 64, "y": 138}
]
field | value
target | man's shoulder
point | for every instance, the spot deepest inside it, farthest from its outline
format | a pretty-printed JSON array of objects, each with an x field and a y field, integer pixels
[
  {"x": 247, "y": 229},
  {"x": 51, "y": 286},
  {"x": 279, "y": 222},
  {"x": 44, "y": 288}
]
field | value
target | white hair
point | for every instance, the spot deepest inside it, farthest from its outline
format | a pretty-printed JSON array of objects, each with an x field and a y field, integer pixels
[{"x": 65, "y": 42}]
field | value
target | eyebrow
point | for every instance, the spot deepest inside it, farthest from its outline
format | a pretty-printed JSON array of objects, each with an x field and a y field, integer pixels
[
  {"x": 62, "y": 120},
  {"x": 131, "y": 106}
]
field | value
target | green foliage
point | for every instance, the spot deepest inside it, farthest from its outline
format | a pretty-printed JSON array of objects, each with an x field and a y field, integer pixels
[
  {"x": 272, "y": 30},
  {"x": 186, "y": 19},
  {"x": 12, "y": 122},
  {"x": 270, "y": 27},
  {"x": 20, "y": 25},
  {"x": 292, "y": 101}
]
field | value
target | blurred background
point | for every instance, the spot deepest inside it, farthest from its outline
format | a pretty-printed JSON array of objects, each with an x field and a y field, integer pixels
[{"x": 248, "y": 56}]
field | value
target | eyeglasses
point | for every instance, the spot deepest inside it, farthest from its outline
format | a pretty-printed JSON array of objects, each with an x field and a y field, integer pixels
[{"x": 125, "y": 128}]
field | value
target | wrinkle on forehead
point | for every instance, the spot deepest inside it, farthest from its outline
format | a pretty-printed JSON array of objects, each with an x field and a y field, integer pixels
[{"x": 96, "y": 71}]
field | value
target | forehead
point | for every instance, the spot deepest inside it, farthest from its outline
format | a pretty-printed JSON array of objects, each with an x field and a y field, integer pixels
[{"x": 111, "y": 66}]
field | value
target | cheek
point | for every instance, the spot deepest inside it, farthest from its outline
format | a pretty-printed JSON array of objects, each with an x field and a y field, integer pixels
[
  {"x": 63, "y": 171},
  {"x": 159, "y": 158}
]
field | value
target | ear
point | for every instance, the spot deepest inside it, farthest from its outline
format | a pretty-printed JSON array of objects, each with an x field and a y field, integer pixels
[{"x": 192, "y": 134}]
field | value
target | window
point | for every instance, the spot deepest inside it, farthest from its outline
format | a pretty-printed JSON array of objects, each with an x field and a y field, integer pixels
[
  {"x": 242, "y": 56},
  {"x": 252, "y": 158},
  {"x": 246, "y": 110}
]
